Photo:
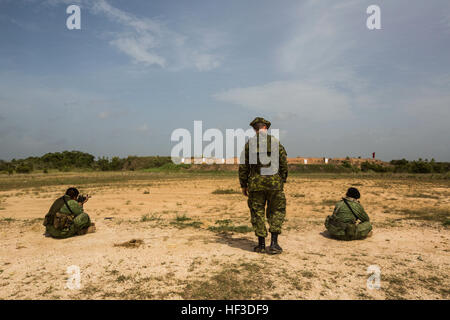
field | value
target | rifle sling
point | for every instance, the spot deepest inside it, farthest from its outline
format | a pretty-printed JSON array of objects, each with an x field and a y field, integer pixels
[
  {"x": 67, "y": 205},
  {"x": 345, "y": 200}
]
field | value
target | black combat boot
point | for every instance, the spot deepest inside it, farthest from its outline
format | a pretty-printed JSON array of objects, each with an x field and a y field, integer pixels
[
  {"x": 261, "y": 247},
  {"x": 274, "y": 246}
]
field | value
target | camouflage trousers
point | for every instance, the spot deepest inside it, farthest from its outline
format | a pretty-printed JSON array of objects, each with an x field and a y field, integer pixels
[
  {"x": 347, "y": 231},
  {"x": 80, "y": 222},
  {"x": 275, "y": 211}
]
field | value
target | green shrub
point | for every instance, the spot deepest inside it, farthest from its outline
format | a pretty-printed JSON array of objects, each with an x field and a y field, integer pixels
[
  {"x": 24, "y": 168},
  {"x": 367, "y": 166}
]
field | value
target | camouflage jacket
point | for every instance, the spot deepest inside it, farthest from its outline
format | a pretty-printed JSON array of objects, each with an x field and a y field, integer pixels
[
  {"x": 60, "y": 207},
  {"x": 343, "y": 214},
  {"x": 250, "y": 173},
  {"x": 74, "y": 206}
]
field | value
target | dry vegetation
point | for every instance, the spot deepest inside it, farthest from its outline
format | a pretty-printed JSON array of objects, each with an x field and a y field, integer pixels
[{"x": 188, "y": 236}]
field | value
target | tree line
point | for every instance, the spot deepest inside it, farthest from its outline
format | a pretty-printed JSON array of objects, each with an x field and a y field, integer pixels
[
  {"x": 77, "y": 160},
  {"x": 405, "y": 166}
]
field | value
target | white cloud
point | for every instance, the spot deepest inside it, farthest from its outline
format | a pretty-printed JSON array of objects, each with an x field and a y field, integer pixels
[
  {"x": 139, "y": 49},
  {"x": 151, "y": 42},
  {"x": 206, "y": 62},
  {"x": 306, "y": 101}
]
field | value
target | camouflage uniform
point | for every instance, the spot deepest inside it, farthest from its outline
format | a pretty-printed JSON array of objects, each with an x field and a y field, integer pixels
[
  {"x": 264, "y": 189},
  {"x": 342, "y": 224},
  {"x": 61, "y": 223}
]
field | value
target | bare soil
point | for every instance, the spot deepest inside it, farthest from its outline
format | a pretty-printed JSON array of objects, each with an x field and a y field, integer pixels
[{"x": 156, "y": 239}]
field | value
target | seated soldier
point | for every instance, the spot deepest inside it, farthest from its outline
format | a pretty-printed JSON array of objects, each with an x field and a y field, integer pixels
[
  {"x": 66, "y": 217},
  {"x": 343, "y": 224}
]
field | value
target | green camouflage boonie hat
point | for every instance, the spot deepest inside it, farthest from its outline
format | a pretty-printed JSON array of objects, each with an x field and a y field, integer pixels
[{"x": 260, "y": 120}]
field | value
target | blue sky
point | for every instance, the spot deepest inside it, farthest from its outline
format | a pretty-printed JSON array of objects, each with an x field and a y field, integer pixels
[{"x": 137, "y": 70}]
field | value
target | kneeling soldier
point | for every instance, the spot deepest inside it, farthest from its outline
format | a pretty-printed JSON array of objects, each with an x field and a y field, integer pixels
[
  {"x": 343, "y": 224},
  {"x": 66, "y": 217}
]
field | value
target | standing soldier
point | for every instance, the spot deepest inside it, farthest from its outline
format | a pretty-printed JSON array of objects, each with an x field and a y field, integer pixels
[{"x": 262, "y": 182}]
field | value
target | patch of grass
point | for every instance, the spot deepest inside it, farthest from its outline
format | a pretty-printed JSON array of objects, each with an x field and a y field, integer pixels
[
  {"x": 231, "y": 283},
  {"x": 224, "y": 226},
  {"x": 183, "y": 221},
  {"x": 123, "y": 278},
  {"x": 298, "y": 195},
  {"x": 396, "y": 287},
  {"x": 427, "y": 214},
  {"x": 182, "y": 218},
  {"x": 225, "y": 191},
  {"x": 7, "y": 220},
  {"x": 308, "y": 274},
  {"x": 150, "y": 217}
]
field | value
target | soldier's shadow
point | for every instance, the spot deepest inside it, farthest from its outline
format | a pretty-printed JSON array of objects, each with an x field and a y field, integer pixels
[{"x": 240, "y": 243}]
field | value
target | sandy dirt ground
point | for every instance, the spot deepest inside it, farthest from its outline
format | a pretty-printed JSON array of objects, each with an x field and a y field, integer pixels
[{"x": 182, "y": 253}]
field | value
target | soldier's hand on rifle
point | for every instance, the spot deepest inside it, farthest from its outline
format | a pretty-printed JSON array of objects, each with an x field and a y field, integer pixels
[
  {"x": 245, "y": 191},
  {"x": 87, "y": 199}
]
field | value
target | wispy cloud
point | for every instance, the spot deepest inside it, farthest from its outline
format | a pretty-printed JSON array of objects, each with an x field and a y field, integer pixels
[
  {"x": 308, "y": 102},
  {"x": 151, "y": 42}
]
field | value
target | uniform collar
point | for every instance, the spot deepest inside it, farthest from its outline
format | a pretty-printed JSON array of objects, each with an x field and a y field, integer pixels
[{"x": 351, "y": 199}]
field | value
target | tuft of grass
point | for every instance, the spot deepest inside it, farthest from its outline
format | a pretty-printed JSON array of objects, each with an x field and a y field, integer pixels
[
  {"x": 308, "y": 274},
  {"x": 182, "y": 218},
  {"x": 225, "y": 191},
  {"x": 183, "y": 221},
  {"x": 7, "y": 220},
  {"x": 150, "y": 217},
  {"x": 427, "y": 214},
  {"x": 224, "y": 226},
  {"x": 298, "y": 195},
  {"x": 123, "y": 278}
]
